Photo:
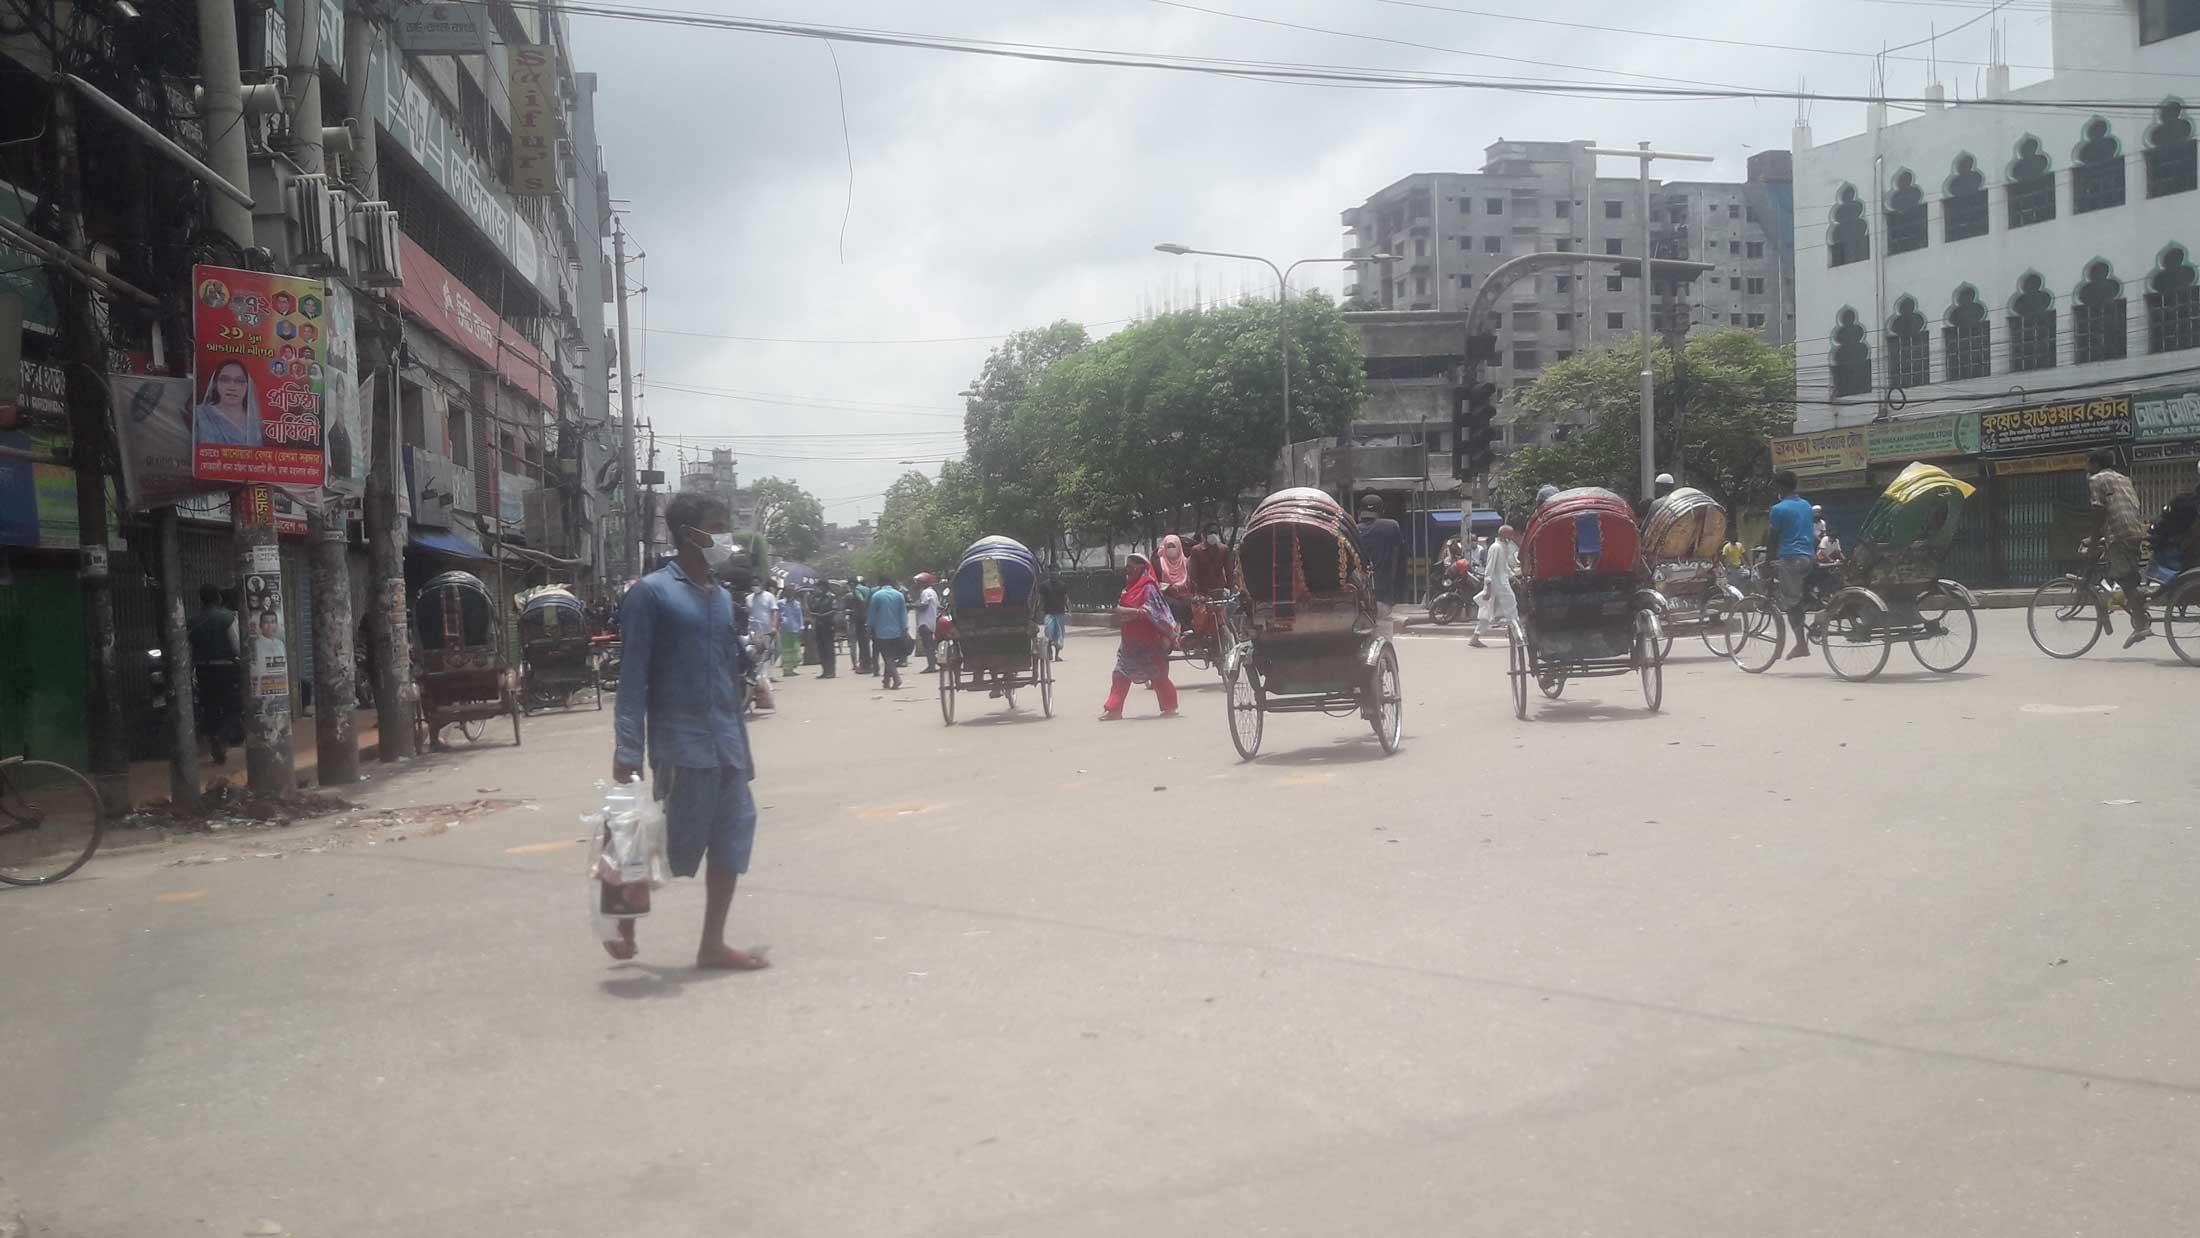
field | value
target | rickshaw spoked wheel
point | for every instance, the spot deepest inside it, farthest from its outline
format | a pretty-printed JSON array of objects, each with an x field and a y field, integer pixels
[
  {"x": 1854, "y": 644},
  {"x": 1388, "y": 700},
  {"x": 1951, "y": 631},
  {"x": 473, "y": 729},
  {"x": 516, "y": 711},
  {"x": 1518, "y": 641},
  {"x": 1762, "y": 637},
  {"x": 1042, "y": 663},
  {"x": 1648, "y": 660},
  {"x": 1242, "y": 702}
]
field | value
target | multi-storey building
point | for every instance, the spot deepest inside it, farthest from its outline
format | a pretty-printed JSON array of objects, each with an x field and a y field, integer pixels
[
  {"x": 1448, "y": 230},
  {"x": 2005, "y": 284}
]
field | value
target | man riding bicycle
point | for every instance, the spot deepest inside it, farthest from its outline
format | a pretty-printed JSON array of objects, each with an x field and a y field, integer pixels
[{"x": 2117, "y": 531}]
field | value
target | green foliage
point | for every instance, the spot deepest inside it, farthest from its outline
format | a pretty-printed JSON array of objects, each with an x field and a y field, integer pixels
[
  {"x": 923, "y": 526},
  {"x": 1733, "y": 392},
  {"x": 1073, "y": 442},
  {"x": 793, "y": 520}
]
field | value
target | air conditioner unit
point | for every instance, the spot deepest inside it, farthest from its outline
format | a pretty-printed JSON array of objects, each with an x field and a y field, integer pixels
[
  {"x": 375, "y": 225},
  {"x": 313, "y": 212}
]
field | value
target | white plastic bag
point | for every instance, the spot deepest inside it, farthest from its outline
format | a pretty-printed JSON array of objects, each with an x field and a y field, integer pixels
[{"x": 628, "y": 860}]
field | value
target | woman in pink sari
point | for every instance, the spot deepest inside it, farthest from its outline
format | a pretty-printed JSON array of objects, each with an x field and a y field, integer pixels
[{"x": 1148, "y": 633}]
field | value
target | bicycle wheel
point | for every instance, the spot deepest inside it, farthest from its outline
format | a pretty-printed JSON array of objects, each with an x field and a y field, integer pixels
[
  {"x": 946, "y": 678},
  {"x": 2064, "y": 618},
  {"x": 1389, "y": 702},
  {"x": 1723, "y": 618},
  {"x": 2179, "y": 619},
  {"x": 1854, "y": 644},
  {"x": 50, "y": 822},
  {"x": 1762, "y": 638},
  {"x": 1951, "y": 632}
]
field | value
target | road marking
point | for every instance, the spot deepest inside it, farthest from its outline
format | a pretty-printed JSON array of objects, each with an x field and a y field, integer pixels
[
  {"x": 886, "y": 812},
  {"x": 539, "y": 848},
  {"x": 181, "y": 896},
  {"x": 2068, "y": 709},
  {"x": 1306, "y": 780}
]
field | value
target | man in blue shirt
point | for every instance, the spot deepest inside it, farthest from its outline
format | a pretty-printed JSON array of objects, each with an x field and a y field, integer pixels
[
  {"x": 888, "y": 615},
  {"x": 1790, "y": 536},
  {"x": 679, "y": 687}
]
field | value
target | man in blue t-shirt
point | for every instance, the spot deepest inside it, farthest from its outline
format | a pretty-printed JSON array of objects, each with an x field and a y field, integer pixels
[
  {"x": 1789, "y": 535},
  {"x": 887, "y": 614}
]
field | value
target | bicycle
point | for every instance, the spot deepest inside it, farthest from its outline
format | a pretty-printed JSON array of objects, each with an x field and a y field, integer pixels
[
  {"x": 2067, "y": 616},
  {"x": 50, "y": 821}
]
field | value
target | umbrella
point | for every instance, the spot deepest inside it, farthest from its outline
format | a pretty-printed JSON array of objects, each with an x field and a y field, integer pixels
[{"x": 799, "y": 575}]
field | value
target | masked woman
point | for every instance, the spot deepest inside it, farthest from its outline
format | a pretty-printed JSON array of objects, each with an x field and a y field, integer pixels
[
  {"x": 1149, "y": 632},
  {"x": 229, "y": 416}
]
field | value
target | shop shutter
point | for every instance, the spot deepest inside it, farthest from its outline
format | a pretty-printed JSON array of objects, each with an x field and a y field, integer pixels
[{"x": 2043, "y": 517}]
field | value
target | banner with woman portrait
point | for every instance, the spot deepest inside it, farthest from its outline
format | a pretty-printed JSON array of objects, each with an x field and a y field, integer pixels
[{"x": 261, "y": 352}]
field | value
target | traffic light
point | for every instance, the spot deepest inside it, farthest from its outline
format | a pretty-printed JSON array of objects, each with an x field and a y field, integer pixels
[{"x": 1477, "y": 441}]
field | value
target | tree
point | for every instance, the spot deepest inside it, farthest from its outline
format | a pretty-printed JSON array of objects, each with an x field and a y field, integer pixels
[
  {"x": 922, "y": 525},
  {"x": 1014, "y": 451},
  {"x": 791, "y": 517},
  {"x": 1732, "y": 392}
]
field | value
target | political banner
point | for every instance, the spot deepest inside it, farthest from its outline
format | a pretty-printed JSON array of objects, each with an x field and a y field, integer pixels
[
  {"x": 152, "y": 418},
  {"x": 261, "y": 347},
  {"x": 346, "y": 458}
]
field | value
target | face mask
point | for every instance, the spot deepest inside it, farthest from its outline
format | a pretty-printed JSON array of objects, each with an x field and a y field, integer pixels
[
  {"x": 1214, "y": 539},
  {"x": 717, "y": 549}
]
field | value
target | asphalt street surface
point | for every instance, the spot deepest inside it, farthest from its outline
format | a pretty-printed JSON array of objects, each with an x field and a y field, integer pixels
[{"x": 1794, "y": 956}]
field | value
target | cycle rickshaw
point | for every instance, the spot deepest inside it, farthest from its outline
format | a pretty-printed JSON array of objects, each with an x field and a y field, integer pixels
[
  {"x": 991, "y": 641},
  {"x": 1313, "y": 643},
  {"x": 1891, "y": 588},
  {"x": 1587, "y": 610},
  {"x": 1680, "y": 546},
  {"x": 460, "y": 669},
  {"x": 557, "y": 655}
]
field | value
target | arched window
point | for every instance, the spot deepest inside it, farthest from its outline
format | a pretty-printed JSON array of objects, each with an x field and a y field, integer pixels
[
  {"x": 1909, "y": 346},
  {"x": 2097, "y": 182},
  {"x": 2031, "y": 184},
  {"x": 1848, "y": 237},
  {"x": 2173, "y": 303},
  {"x": 1963, "y": 212},
  {"x": 1905, "y": 214},
  {"x": 2032, "y": 325},
  {"x": 2097, "y": 322},
  {"x": 1967, "y": 338},
  {"x": 2173, "y": 158},
  {"x": 1851, "y": 357}
]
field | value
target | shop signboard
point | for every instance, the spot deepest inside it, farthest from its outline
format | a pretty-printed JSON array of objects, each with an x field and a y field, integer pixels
[
  {"x": 443, "y": 29},
  {"x": 1820, "y": 455},
  {"x": 2047, "y": 427},
  {"x": 2166, "y": 416},
  {"x": 534, "y": 98},
  {"x": 1953, "y": 434},
  {"x": 260, "y": 346},
  {"x": 2059, "y": 462},
  {"x": 455, "y": 313}
]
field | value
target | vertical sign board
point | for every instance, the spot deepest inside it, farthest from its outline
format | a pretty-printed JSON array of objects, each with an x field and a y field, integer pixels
[
  {"x": 261, "y": 345},
  {"x": 260, "y": 621},
  {"x": 534, "y": 122},
  {"x": 346, "y": 434}
]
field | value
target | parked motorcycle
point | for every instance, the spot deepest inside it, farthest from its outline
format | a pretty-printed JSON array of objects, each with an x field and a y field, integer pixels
[{"x": 1455, "y": 600}]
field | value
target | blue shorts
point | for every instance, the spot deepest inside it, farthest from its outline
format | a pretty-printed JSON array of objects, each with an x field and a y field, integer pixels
[{"x": 707, "y": 811}]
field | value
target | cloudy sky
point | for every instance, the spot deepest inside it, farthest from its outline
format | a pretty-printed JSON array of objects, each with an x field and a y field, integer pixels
[{"x": 991, "y": 195}]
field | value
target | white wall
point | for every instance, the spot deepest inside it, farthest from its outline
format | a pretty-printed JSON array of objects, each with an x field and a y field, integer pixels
[{"x": 2130, "y": 237}]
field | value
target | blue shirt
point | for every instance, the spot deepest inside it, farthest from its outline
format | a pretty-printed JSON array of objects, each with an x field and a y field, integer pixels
[
  {"x": 790, "y": 613},
  {"x": 1791, "y": 528},
  {"x": 889, "y": 613},
  {"x": 678, "y": 676}
]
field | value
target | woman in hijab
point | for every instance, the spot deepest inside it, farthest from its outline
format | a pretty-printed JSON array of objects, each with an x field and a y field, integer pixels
[
  {"x": 228, "y": 416},
  {"x": 1149, "y": 632},
  {"x": 1173, "y": 569}
]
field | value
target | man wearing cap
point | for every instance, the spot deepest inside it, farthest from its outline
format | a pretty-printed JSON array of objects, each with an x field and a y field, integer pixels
[{"x": 1382, "y": 547}]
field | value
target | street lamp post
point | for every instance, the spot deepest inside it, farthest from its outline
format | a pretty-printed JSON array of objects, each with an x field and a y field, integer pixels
[
  {"x": 1642, "y": 154},
  {"x": 1283, "y": 302}
]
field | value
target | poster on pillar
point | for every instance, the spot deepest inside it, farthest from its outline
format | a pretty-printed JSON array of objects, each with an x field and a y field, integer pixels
[
  {"x": 534, "y": 122},
  {"x": 152, "y": 418},
  {"x": 260, "y": 366},
  {"x": 346, "y": 457}
]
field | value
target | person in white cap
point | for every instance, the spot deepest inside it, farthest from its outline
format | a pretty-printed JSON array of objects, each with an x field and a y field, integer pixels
[{"x": 1497, "y": 603}]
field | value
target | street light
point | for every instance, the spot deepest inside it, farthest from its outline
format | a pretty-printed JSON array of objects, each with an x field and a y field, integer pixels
[{"x": 1283, "y": 299}]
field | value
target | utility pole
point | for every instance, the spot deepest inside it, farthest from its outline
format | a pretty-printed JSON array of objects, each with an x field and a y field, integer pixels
[
  {"x": 1642, "y": 154},
  {"x": 649, "y": 505},
  {"x": 88, "y": 433},
  {"x": 627, "y": 491},
  {"x": 378, "y": 354},
  {"x": 335, "y": 685},
  {"x": 221, "y": 112}
]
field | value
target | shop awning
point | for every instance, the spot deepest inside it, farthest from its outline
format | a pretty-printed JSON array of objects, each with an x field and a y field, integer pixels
[{"x": 446, "y": 542}]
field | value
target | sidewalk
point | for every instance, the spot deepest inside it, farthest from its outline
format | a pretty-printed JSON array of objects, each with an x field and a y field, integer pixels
[{"x": 149, "y": 779}]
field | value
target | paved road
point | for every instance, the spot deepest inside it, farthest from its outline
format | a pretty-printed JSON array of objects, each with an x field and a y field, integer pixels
[{"x": 1794, "y": 957}]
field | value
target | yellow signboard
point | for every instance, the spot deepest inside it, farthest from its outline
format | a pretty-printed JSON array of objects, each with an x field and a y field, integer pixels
[
  {"x": 534, "y": 122},
  {"x": 1816, "y": 455},
  {"x": 2062, "y": 462}
]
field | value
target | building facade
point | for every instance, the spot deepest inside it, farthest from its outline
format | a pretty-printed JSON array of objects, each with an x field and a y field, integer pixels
[{"x": 2023, "y": 262}]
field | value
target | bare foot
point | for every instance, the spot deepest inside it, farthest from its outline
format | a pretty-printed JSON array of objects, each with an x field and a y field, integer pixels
[
  {"x": 623, "y": 948},
  {"x": 726, "y": 958}
]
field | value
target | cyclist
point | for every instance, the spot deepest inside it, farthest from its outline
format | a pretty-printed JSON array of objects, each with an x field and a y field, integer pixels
[
  {"x": 1795, "y": 554},
  {"x": 2117, "y": 530}
]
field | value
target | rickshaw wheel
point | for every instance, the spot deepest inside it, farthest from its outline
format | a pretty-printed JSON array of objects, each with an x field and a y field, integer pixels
[
  {"x": 1390, "y": 701},
  {"x": 1551, "y": 683},
  {"x": 1042, "y": 662},
  {"x": 2180, "y": 618},
  {"x": 1242, "y": 702},
  {"x": 1519, "y": 672},
  {"x": 1762, "y": 638},
  {"x": 516, "y": 711},
  {"x": 947, "y": 676},
  {"x": 1957, "y": 632},
  {"x": 1723, "y": 625},
  {"x": 1664, "y": 643},
  {"x": 1853, "y": 645},
  {"x": 473, "y": 729},
  {"x": 1648, "y": 661}
]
